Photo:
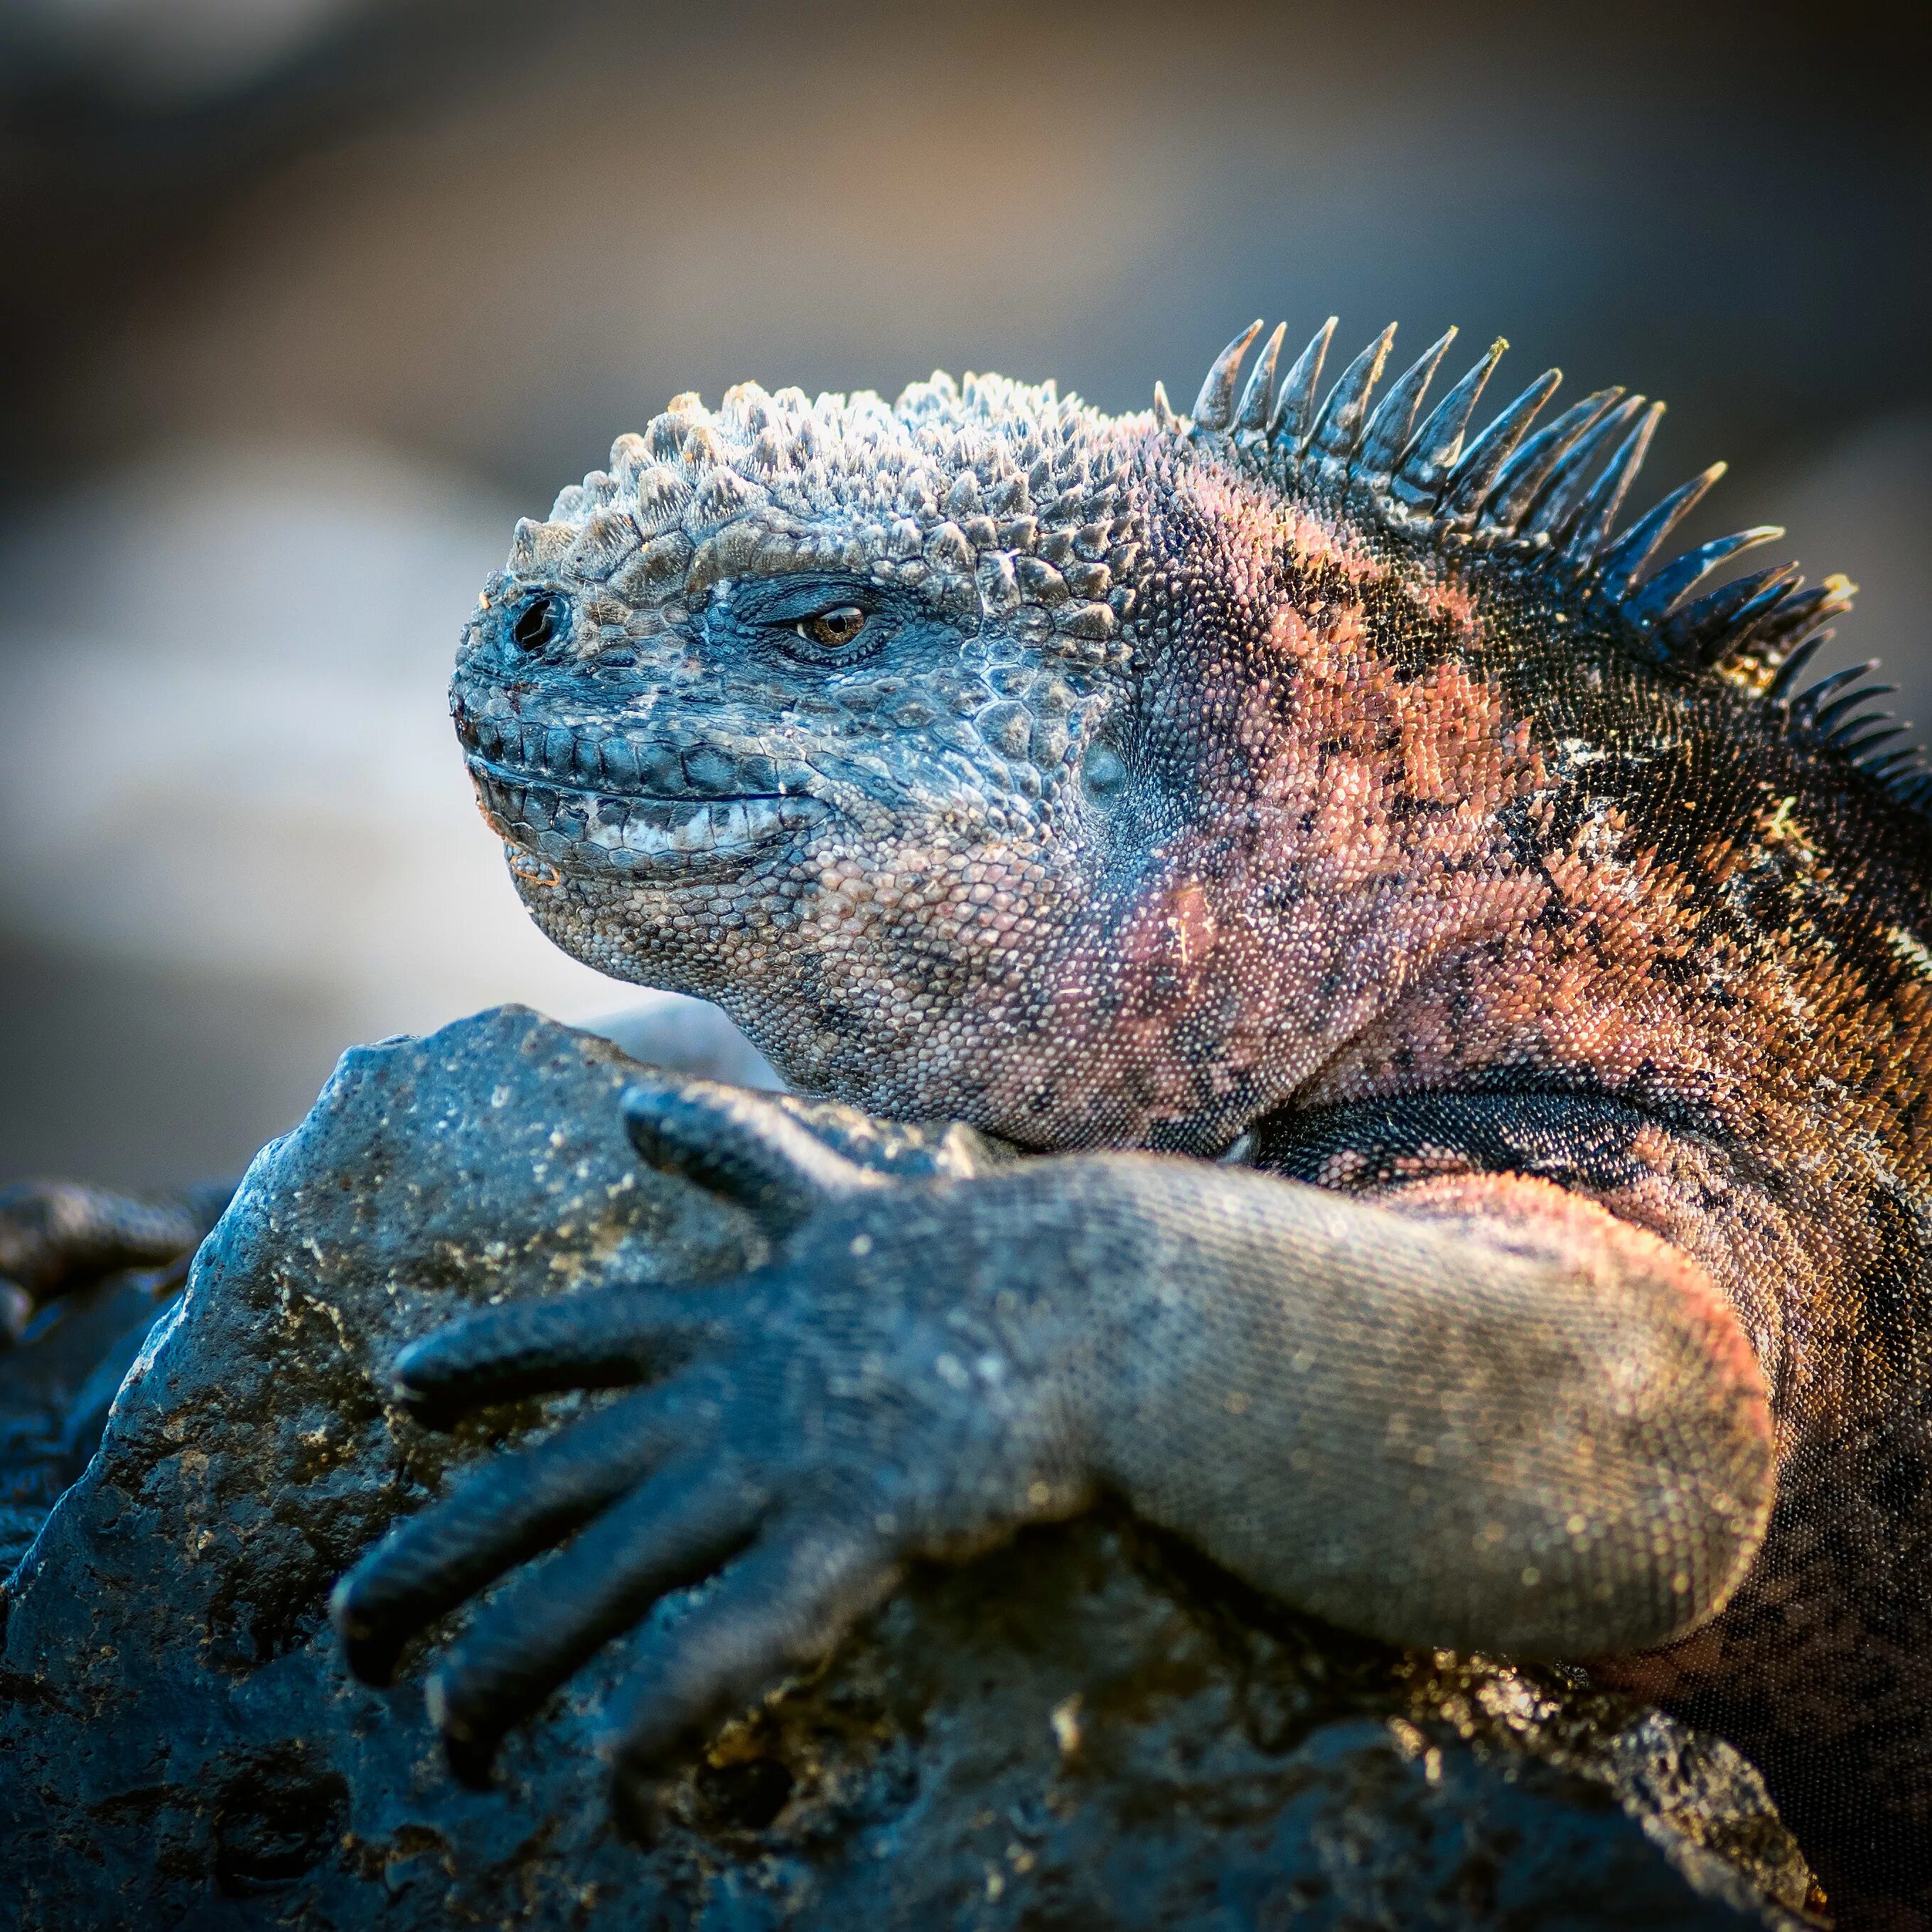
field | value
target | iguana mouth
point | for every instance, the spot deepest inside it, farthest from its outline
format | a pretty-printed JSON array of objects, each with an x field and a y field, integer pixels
[{"x": 610, "y": 800}]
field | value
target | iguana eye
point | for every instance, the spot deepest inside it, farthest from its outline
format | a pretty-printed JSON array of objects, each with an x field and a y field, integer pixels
[
  {"x": 819, "y": 617},
  {"x": 539, "y": 623},
  {"x": 839, "y": 634},
  {"x": 833, "y": 630}
]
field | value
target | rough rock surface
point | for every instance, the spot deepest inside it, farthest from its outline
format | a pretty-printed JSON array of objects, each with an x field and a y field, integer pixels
[
  {"x": 55, "y": 1394},
  {"x": 1092, "y": 1728}
]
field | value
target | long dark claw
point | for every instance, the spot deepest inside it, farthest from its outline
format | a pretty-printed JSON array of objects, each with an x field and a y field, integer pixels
[
  {"x": 739, "y": 1145},
  {"x": 782, "y": 1609},
  {"x": 685, "y": 1521},
  {"x": 597, "y": 1338},
  {"x": 507, "y": 1512}
]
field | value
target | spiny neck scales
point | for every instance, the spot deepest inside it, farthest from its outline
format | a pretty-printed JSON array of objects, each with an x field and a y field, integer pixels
[{"x": 1541, "y": 506}]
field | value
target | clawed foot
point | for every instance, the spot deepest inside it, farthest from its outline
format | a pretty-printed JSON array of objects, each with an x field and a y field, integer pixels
[
  {"x": 795, "y": 1435},
  {"x": 58, "y": 1237}
]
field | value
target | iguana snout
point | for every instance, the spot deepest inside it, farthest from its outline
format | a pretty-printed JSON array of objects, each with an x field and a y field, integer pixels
[{"x": 602, "y": 757}]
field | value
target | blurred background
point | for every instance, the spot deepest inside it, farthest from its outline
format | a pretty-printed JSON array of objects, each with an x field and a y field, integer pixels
[{"x": 305, "y": 301}]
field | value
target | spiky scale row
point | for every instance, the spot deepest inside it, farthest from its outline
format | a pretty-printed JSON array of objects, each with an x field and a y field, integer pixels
[
  {"x": 1389, "y": 427},
  {"x": 965, "y": 488},
  {"x": 1539, "y": 501},
  {"x": 984, "y": 495},
  {"x": 1522, "y": 482}
]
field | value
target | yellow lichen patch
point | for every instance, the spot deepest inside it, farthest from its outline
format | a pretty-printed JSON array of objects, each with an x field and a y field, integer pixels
[
  {"x": 1782, "y": 828},
  {"x": 1911, "y": 949}
]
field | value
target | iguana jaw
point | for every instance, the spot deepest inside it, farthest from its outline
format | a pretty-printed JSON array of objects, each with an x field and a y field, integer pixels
[
  {"x": 576, "y": 825},
  {"x": 636, "y": 834},
  {"x": 595, "y": 795}
]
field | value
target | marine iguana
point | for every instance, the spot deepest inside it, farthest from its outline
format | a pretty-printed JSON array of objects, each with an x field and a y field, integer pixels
[{"x": 1466, "y": 1009}]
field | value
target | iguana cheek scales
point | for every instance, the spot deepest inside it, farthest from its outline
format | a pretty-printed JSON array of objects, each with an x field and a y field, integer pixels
[{"x": 1324, "y": 775}]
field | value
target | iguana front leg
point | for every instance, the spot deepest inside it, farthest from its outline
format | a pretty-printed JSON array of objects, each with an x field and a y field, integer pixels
[{"x": 1529, "y": 1428}]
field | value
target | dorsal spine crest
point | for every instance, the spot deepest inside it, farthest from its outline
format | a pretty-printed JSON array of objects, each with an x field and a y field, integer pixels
[{"x": 1538, "y": 506}]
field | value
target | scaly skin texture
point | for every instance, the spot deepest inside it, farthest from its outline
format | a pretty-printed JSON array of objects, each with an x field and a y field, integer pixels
[
  {"x": 1302, "y": 788},
  {"x": 58, "y": 1237}
]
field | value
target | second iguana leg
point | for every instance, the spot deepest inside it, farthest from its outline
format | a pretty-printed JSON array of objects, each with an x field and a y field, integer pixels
[{"x": 57, "y": 1237}]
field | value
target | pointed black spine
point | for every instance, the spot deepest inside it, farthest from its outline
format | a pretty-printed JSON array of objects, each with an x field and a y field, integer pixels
[
  {"x": 1479, "y": 465},
  {"x": 1337, "y": 433},
  {"x": 1568, "y": 485},
  {"x": 1524, "y": 475},
  {"x": 1719, "y": 622},
  {"x": 1251, "y": 414},
  {"x": 1387, "y": 433},
  {"x": 1619, "y": 566},
  {"x": 1582, "y": 539},
  {"x": 1433, "y": 449},
  {"x": 1660, "y": 593},
  {"x": 1778, "y": 690},
  {"x": 1214, "y": 407},
  {"x": 1294, "y": 404}
]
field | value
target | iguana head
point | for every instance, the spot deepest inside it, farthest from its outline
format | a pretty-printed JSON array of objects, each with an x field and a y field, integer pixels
[
  {"x": 823, "y": 710},
  {"x": 1094, "y": 778}
]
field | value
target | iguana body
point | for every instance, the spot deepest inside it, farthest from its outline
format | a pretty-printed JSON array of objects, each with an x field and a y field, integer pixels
[
  {"x": 1297, "y": 785},
  {"x": 1305, "y": 775}
]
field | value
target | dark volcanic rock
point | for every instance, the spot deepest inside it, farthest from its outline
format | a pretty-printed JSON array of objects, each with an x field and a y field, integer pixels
[
  {"x": 56, "y": 1391},
  {"x": 1091, "y": 1729}
]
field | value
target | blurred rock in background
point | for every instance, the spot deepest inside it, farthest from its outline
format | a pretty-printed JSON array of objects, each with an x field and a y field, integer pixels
[{"x": 307, "y": 299}]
